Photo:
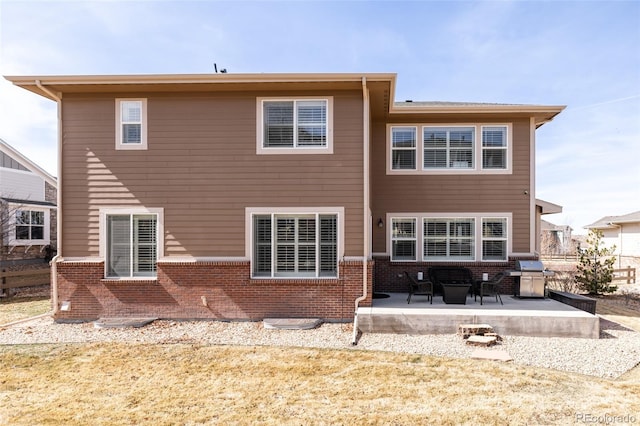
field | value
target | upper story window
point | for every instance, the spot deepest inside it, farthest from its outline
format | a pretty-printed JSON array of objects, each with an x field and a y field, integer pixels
[
  {"x": 131, "y": 124},
  {"x": 294, "y": 126},
  {"x": 449, "y": 149},
  {"x": 494, "y": 147},
  {"x": 403, "y": 148}
]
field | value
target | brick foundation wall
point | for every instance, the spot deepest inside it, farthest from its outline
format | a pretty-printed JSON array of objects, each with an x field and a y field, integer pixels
[
  {"x": 389, "y": 276},
  {"x": 230, "y": 293}
]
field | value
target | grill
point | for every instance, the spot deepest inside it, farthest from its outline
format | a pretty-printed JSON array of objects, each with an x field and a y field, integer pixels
[{"x": 530, "y": 278}]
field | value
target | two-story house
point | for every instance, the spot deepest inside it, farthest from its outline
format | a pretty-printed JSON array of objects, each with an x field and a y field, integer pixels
[
  {"x": 249, "y": 196},
  {"x": 27, "y": 211}
]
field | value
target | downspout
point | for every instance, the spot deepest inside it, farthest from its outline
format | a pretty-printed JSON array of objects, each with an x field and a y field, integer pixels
[
  {"x": 58, "y": 256},
  {"x": 365, "y": 213}
]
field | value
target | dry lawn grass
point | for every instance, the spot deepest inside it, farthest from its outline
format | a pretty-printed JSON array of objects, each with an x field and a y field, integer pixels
[
  {"x": 17, "y": 308},
  {"x": 183, "y": 384}
]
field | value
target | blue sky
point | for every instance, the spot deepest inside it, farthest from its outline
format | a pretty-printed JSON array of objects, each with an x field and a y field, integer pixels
[{"x": 583, "y": 54}]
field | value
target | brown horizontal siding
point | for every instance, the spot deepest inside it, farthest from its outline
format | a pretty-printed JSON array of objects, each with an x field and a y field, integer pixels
[
  {"x": 201, "y": 167},
  {"x": 455, "y": 193}
]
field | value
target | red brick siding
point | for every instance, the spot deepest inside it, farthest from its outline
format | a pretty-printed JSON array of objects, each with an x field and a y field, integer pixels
[
  {"x": 229, "y": 291},
  {"x": 389, "y": 276}
]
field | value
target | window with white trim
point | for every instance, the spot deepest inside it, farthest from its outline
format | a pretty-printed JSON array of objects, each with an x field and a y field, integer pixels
[
  {"x": 448, "y": 147},
  {"x": 403, "y": 239},
  {"x": 295, "y": 245},
  {"x": 494, "y": 147},
  {"x": 131, "y": 126},
  {"x": 466, "y": 237},
  {"x": 294, "y": 126},
  {"x": 403, "y": 148},
  {"x": 131, "y": 245},
  {"x": 30, "y": 225},
  {"x": 494, "y": 239},
  {"x": 449, "y": 239}
]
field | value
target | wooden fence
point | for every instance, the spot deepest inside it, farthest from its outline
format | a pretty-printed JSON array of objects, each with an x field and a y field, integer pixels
[
  {"x": 627, "y": 274},
  {"x": 28, "y": 278}
]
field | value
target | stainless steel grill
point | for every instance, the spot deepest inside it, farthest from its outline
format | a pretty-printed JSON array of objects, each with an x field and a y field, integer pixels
[{"x": 530, "y": 274}]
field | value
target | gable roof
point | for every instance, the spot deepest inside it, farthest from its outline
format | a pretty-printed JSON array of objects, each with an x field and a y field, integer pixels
[
  {"x": 381, "y": 87},
  {"x": 608, "y": 222},
  {"x": 30, "y": 165}
]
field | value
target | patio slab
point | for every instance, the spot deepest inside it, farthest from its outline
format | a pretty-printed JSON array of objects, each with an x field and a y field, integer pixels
[{"x": 517, "y": 317}]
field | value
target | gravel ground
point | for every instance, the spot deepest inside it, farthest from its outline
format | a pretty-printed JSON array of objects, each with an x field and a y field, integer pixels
[{"x": 617, "y": 350}]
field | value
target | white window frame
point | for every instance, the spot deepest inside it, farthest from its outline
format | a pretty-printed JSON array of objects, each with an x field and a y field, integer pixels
[
  {"x": 450, "y": 238},
  {"x": 478, "y": 218},
  {"x": 119, "y": 211},
  {"x": 143, "y": 125},
  {"x": 478, "y": 150},
  {"x": 403, "y": 148},
  {"x": 504, "y": 148},
  {"x": 326, "y": 149},
  {"x": 251, "y": 212},
  {"x": 403, "y": 238},
  {"x": 11, "y": 235},
  {"x": 504, "y": 238},
  {"x": 449, "y": 149}
]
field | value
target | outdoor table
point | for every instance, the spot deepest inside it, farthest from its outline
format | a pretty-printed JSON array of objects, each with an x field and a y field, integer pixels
[{"x": 455, "y": 293}]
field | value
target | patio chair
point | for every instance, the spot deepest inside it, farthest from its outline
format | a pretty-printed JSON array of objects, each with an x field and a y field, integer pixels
[
  {"x": 419, "y": 288},
  {"x": 489, "y": 288}
]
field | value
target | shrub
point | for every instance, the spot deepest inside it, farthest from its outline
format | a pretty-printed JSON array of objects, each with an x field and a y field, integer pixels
[{"x": 595, "y": 267}]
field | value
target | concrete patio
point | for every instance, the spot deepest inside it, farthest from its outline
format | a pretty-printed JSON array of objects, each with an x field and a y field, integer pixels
[{"x": 517, "y": 317}]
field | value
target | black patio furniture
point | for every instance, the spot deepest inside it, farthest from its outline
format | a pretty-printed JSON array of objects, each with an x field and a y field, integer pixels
[
  {"x": 419, "y": 288},
  {"x": 453, "y": 281},
  {"x": 488, "y": 288}
]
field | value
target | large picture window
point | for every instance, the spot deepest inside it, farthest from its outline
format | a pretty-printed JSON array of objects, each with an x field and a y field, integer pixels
[
  {"x": 132, "y": 245},
  {"x": 294, "y": 126},
  {"x": 295, "y": 245},
  {"x": 449, "y": 239},
  {"x": 131, "y": 126}
]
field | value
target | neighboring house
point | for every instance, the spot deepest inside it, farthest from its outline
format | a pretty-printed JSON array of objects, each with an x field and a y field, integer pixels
[
  {"x": 27, "y": 211},
  {"x": 556, "y": 240},
  {"x": 278, "y": 195},
  {"x": 623, "y": 232}
]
